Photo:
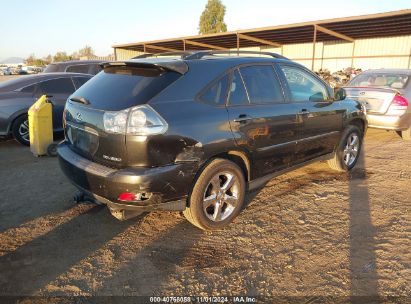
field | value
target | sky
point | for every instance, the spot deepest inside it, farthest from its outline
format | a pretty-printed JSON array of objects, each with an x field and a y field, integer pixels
[{"x": 44, "y": 27}]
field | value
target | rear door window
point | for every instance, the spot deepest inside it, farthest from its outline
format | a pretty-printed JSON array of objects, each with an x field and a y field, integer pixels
[
  {"x": 121, "y": 87},
  {"x": 57, "y": 86},
  {"x": 304, "y": 86},
  {"x": 237, "y": 94}
]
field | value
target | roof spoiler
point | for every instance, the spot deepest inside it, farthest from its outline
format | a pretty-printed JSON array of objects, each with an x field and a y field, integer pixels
[{"x": 175, "y": 66}]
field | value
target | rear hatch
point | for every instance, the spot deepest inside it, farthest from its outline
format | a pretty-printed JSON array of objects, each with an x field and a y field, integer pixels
[
  {"x": 375, "y": 100},
  {"x": 120, "y": 86}
]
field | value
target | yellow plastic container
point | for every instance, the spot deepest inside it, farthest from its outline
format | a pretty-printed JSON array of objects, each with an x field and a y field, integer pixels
[{"x": 40, "y": 126}]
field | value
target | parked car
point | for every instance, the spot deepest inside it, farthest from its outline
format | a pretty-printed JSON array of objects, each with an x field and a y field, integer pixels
[
  {"x": 194, "y": 132},
  {"x": 75, "y": 66},
  {"x": 5, "y": 71},
  {"x": 385, "y": 94},
  {"x": 17, "y": 95}
]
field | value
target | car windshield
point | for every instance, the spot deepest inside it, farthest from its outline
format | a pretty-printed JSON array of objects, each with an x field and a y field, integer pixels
[{"x": 393, "y": 81}]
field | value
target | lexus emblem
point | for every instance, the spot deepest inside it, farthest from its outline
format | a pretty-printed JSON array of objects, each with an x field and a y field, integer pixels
[{"x": 78, "y": 117}]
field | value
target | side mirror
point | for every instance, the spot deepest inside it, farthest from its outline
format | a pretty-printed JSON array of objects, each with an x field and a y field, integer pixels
[{"x": 339, "y": 94}]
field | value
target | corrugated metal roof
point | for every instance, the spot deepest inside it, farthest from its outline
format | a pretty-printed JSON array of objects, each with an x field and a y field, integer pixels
[{"x": 387, "y": 24}]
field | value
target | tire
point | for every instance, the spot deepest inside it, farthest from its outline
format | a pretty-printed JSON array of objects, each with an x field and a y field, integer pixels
[
  {"x": 20, "y": 130},
  {"x": 348, "y": 150},
  {"x": 208, "y": 194},
  {"x": 406, "y": 134},
  {"x": 52, "y": 150}
]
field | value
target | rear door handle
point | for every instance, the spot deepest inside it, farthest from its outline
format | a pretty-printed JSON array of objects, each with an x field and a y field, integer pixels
[
  {"x": 303, "y": 112},
  {"x": 243, "y": 118}
]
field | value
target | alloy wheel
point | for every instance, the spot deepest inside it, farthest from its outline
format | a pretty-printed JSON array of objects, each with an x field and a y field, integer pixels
[
  {"x": 221, "y": 196},
  {"x": 351, "y": 149},
  {"x": 24, "y": 131}
]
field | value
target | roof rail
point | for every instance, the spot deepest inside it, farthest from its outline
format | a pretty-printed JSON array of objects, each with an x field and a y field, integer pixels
[
  {"x": 190, "y": 55},
  {"x": 181, "y": 54},
  {"x": 201, "y": 54}
]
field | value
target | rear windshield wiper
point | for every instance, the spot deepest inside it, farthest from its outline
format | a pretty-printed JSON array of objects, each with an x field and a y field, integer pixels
[{"x": 80, "y": 100}]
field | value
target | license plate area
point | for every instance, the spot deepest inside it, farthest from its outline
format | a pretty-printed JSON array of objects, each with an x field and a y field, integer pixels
[{"x": 83, "y": 139}]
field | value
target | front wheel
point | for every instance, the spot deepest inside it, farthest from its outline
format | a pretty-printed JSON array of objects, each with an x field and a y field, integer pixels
[
  {"x": 348, "y": 150},
  {"x": 20, "y": 130},
  {"x": 217, "y": 196}
]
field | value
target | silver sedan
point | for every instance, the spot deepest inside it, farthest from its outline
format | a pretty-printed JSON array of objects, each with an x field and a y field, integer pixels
[{"x": 386, "y": 95}]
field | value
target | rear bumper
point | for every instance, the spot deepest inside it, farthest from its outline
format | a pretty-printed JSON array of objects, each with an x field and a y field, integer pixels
[
  {"x": 397, "y": 123},
  {"x": 167, "y": 186}
]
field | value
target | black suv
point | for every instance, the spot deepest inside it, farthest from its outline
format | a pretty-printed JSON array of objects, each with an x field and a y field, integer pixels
[
  {"x": 91, "y": 67},
  {"x": 193, "y": 131}
]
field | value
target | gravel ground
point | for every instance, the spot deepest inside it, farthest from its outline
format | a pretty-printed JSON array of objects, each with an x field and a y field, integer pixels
[{"x": 312, "y": 232}]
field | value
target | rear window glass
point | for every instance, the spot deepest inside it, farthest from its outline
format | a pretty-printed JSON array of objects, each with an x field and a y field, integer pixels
[
  {"x": 51, "y": 68},
  {"x": 380, "y": 80},
  {"x": 81, "y": 68},
  {"x": 118, "y": 88}
]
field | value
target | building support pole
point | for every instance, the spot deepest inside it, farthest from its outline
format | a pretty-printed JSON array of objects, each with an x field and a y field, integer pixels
[
  {"x": 144, "y": 48},
  {"x": 322, "y": 55},
  {"x": 238, "y": 45},
  {"x": 314, "y": 42},
  {"x": 115, "y": 54},
  {"x": 353, "y": 54},
  {"x": 184, "y": 45}
]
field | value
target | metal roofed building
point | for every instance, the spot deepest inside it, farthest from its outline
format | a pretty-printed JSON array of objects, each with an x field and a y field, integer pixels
[{"x": 369, "y": 41}]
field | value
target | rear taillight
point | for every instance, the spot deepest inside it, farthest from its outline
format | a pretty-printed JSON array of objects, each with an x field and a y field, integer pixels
[
  {"x": 398, "y": 106},
  {"x": 141, "y": 120},
  {"x": 400, "y": 101}
]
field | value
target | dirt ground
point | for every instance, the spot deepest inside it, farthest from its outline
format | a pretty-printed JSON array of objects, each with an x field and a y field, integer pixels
[{"x": 312, "y": 232}]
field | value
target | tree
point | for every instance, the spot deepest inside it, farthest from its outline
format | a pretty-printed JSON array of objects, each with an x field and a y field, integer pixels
[
  {"x": 86, "y": 51},
  {"x": 48, "y": 59},
  {"x": 61, "y": 56},
  {"x": 75, "y": 56},
  {"x": 212, "y": 18},
  {"x": 39, "y": 63},
  {"x": 30, "y": 60}
]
